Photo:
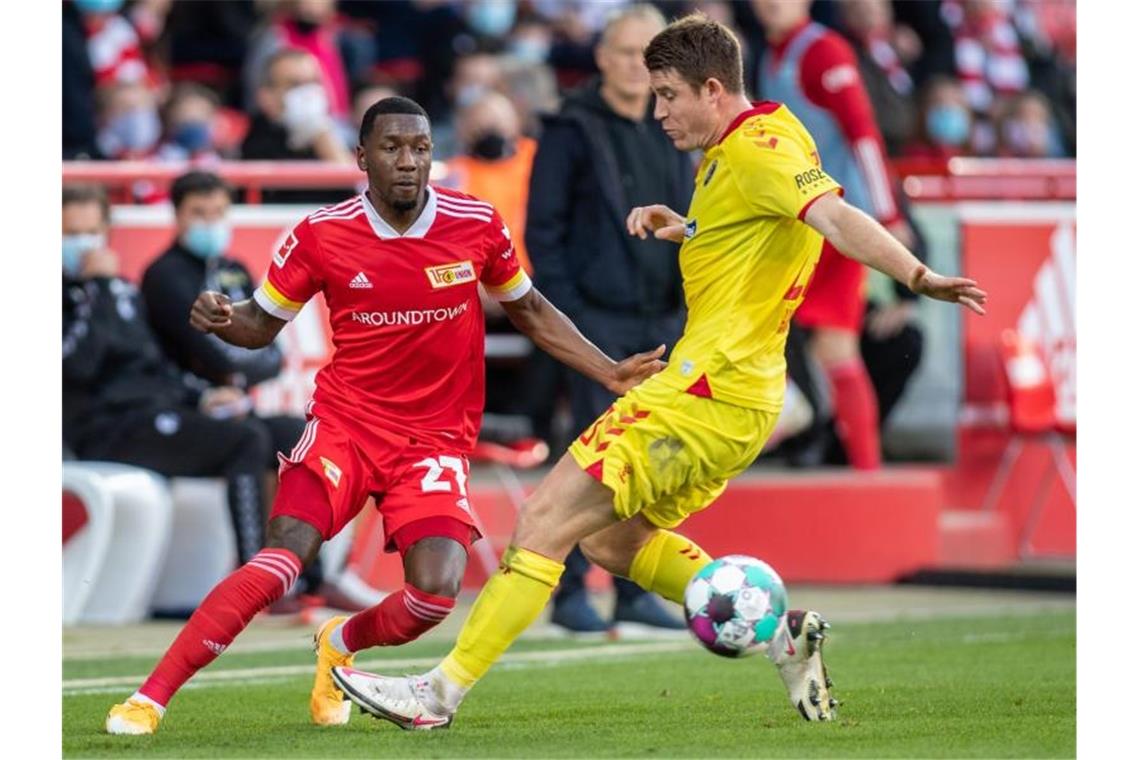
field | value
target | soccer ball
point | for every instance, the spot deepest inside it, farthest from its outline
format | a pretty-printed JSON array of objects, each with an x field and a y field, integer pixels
[{"x": 734, "y": 604}]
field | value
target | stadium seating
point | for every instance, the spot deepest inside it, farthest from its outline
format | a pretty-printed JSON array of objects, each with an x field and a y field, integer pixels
[{"x": 128, "y": 517}]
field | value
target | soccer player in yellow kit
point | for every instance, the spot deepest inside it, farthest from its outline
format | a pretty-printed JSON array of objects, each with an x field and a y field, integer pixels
[{"x": 666, "y": 449}]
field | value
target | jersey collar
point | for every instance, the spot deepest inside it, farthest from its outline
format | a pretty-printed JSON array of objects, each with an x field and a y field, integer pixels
[
  {"x": 759, "y": 108},
  {"x": 384, "y": 230}
]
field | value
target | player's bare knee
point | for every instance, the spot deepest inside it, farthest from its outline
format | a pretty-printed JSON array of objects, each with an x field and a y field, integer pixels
[
  {"x": 436, "y": 566},
  {"x": 607, "y": 554},
  {"x": 295, "y": 535}
]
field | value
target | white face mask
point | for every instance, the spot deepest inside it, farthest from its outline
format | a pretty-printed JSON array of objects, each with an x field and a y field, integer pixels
[{"x": 305, "y": 105}]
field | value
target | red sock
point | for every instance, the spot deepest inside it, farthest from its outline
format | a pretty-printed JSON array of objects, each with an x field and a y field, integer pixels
[
  {"x": 401, "y": 617},
  {"x": 221, "y": 616},
  {"x": 856, "y": 413}
]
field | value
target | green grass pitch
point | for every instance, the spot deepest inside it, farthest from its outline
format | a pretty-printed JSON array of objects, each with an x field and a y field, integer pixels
[{"x": 959, "y": 687}]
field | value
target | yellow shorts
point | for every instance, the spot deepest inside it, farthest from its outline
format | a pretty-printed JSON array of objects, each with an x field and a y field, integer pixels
[{"x": 666, "y": 453}]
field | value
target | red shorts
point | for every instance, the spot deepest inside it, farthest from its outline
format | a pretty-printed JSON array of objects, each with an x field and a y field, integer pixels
[
  {"x": 835, "y": 296},
  {"x": 327, "y": 479}
]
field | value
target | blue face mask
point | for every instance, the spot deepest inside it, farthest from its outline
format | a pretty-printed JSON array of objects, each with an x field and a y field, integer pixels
[
  {"x": 948, "y": 125},
  {"x": 492, "y": 18},
  {"x": 207, "y": 240},
  {"x": 75, "y": 247},
  {"x": 193, "y": 135},
  {"x": 98, "y": 6}
]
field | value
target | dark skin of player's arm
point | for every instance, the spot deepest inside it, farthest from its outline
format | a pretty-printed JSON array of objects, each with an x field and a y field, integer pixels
[{"x": 433, "y": 565}]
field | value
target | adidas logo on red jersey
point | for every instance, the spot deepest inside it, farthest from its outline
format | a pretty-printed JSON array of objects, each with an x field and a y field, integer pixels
[{"x": 359, "y": 281}]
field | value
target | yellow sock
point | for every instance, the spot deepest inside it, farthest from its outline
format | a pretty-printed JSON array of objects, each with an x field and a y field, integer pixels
[
  {"x": 666, "y": 564},
  {"x": 509, "y": 603}
]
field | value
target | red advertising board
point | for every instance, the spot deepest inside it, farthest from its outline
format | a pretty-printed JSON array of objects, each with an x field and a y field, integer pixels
[{"x": 1024, "y": 255}]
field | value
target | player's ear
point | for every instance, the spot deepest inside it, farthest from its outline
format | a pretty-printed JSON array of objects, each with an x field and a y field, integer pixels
[{"x": 361, "y": 163}]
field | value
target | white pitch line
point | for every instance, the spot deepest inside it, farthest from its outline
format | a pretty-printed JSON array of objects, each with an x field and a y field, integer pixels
[{"x": 241, "y": 675}]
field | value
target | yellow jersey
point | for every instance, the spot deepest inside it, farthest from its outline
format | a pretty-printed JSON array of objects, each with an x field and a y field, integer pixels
[{"x": 747, "y": 258}]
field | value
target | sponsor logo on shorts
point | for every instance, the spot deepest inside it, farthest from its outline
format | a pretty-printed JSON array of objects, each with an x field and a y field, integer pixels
[
  {"x": 412, "y": 317},
  {"x": 450, "y": 275},
  {"x": 332, "y": 472}
]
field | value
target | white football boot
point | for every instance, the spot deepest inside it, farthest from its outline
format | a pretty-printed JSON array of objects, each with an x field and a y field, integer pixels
[
  {"x": 797, "y": 652},
  {"x": 407, "y": 701}
]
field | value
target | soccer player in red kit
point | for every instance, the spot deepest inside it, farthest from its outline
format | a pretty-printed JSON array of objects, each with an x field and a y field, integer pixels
[
  {"x": 394, "y": 413},
  {"x": 814, "y": 72}
]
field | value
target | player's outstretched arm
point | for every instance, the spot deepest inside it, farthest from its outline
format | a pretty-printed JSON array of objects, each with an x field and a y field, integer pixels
[
  {"x": 860, "y": 237},
  {"x": 554, "y": 333},
  {"x": 242, "y": 324}
]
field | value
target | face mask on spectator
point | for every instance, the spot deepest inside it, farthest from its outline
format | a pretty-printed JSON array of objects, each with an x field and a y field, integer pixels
[
  {"x": 192, "y": 135},
  {"x": 948, "y": 125},
  {"x": 529, "y": 49},
  {"x": 306, "y": 112},
  {"x": 1027, "y": 138},
  {"x": 98, "y": 6},
  {"x": 468, "y": 94},
  {"x": 207, "y": 240},
  {"x": 137, "y": 130},
  {"x": 492, "y": 146},
  {"x": 75, "y": 247},
  {"x": 491, "y": 18}
]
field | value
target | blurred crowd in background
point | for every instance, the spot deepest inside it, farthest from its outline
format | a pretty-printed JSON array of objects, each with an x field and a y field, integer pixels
[{"x": 198, "y": 80}]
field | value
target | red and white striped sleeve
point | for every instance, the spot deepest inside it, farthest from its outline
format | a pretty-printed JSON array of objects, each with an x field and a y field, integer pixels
[{"x": 830, "y": 79}]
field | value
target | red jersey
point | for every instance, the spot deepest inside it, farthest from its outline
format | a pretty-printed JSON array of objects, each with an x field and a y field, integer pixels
[{"x": 407, "y": 323}]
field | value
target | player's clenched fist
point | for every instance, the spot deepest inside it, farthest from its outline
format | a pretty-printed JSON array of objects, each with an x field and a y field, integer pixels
[
  {"x": 662, "y": 221},
  {"x": 211, "y": 311}
]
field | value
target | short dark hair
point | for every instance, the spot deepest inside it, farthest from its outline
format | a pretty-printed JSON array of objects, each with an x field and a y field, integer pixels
[
  {"x": 88, "y": 194},
  {"x": 699, "y": 49},
  {"x": 394, "y": 104},
  {"x": 196, "y": 183}
]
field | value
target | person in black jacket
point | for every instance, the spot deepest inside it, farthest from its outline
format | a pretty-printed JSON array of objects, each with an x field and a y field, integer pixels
[
  {"x": 124, "y": 401},
  {"x": 600, "y": 156},
  {"x": 196, "y": 261}
]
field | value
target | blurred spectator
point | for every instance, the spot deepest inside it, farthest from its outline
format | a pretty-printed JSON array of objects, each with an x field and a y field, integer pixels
[
  {"x": 884, "y": 51},
  {"x": 113, "y": 45},
  {"x": 78, "y": 91},
  {"x": 495, "y": 162},
  {"x": 987, "y": 51},
  {"x": 128, "y": 123},
  {"x": 600, "y": 156},
  {"x": 189, "y": 119},
  {"x": 196, "y": 260},
  {"x": 1027, "y": 129},
  {"x": 124, "y": 401},
  {"x": 813, "y": 71},
  {"x": 575, "y": 25},
  {"x": 473, "y": 76},
  {"x": 946, "y": 123},
  {"x": 206, "y": 41},
  {"x": 311, "y": 26},
  {"x": 532, "y": 90},
  {"x": 293, "y": 123}
]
